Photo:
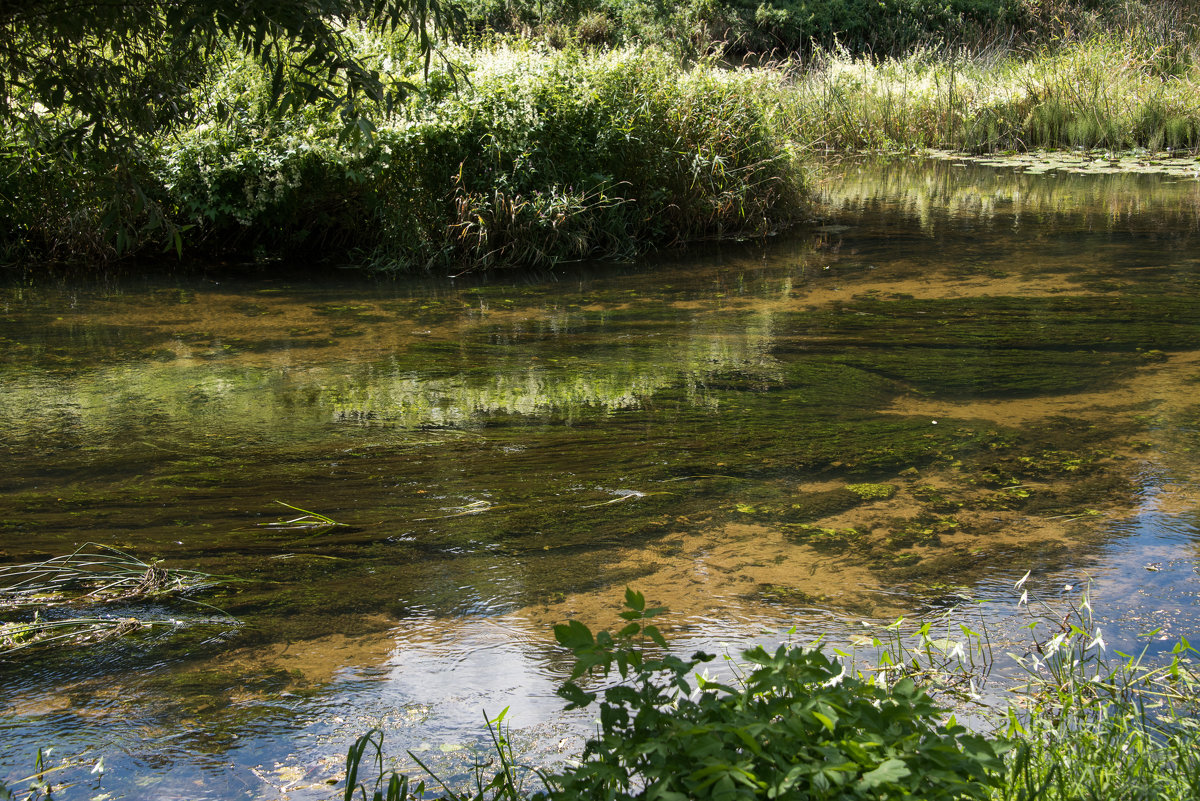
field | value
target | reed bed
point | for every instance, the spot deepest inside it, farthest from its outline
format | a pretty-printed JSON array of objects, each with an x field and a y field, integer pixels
[{"x": 1103, "y": 92}]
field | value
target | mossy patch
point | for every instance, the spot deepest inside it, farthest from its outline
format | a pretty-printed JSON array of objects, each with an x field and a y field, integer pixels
[
  {"x": 790, "y": 596},
  {"x": 873, "y": 492},
  {"x": 924, "y": 529},
  {"x": 819, "y": 537},
  {"x": 812, "y": 506}
]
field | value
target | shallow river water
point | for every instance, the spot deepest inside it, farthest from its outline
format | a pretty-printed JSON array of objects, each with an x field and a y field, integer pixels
[{"x": 1016, "y": 356}]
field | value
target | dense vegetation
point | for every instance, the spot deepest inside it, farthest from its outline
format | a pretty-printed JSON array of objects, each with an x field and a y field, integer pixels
[
  {"x": 794, "y": 723},
  {"x": 544, "y": 132}
]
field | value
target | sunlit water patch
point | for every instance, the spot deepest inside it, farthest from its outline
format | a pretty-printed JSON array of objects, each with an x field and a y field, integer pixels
[{"x": 959, "y": 374}]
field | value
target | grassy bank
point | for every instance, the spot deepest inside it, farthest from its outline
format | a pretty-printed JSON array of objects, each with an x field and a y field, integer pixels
[
  {"x": 601, "y": 130},
  {"x": 1100, "y": 93}
]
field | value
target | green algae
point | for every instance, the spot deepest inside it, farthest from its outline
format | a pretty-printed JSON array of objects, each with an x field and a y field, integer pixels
[
  {"x": 546, "y": 427},
  {"x": 806, "y": 410},
  {"x": 820, "y": 537},
  {"x": 873, "y": 492}
]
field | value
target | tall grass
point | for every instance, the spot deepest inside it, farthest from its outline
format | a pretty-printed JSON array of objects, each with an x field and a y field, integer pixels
[
  {"x": 1103, "y": 92},
  {"x": 1093, "y": 725}
]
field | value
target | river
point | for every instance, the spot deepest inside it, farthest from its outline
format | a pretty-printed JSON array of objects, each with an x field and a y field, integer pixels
[{"x": 957, "y": 373}]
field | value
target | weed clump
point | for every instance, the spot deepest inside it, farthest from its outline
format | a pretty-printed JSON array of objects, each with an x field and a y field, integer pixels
[{"x": 87, "y": 596}]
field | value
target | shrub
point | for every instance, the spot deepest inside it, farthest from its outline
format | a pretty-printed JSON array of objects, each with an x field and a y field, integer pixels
[
  {"x": 796, "y": 725},
  {"x": 540, "y": 158},
  {"x": 775, "y": 28}
]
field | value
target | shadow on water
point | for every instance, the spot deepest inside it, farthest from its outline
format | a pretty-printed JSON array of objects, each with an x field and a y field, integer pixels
[{"x": 959, "y": 375}]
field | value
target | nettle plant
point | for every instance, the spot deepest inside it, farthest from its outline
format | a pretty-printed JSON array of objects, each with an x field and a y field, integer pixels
[{"x": 793, "y": 724}]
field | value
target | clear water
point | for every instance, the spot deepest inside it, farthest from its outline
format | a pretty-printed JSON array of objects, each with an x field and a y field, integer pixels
[{"x": 1017, "y": 355}]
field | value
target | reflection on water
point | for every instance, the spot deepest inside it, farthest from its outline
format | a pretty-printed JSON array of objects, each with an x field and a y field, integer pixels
[{"x": 961, "y": 374}]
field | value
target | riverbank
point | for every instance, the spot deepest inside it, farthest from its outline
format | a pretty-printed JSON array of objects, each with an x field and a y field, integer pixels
[
  {"x": 559, "y": 145},
  {"x": 795, "y": 722}
]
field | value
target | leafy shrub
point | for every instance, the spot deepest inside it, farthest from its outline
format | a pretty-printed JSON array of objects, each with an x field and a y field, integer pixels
[
  {"x": 795, "y": 726},
  {"x": 540, "y": 158}
]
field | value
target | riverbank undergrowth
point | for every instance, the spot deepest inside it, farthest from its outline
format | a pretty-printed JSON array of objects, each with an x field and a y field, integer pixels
[
  {"x": 618, "y": 130},
  {"x": 795, "y": 723}
]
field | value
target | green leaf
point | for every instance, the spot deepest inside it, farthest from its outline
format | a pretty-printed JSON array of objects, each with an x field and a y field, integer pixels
[
  {"x": 630, "y": 630},
  {"x": 635, "y": 600},
  {"x": 889, "y": 771},
  {"x": 576, "y": 697},
  {"x": 573, "y": 635},
  {"x": 654, "y": 634}
]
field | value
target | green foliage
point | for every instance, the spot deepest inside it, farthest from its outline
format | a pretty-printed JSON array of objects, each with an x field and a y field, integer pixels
[
  {"x": 795, "y": 725},
  {"x": 124, "y": 67},
  {"x": 1097, "y": 727},
  {"x": 541, "y": 158},
  {"x": 87, "y": 87},
  {"x": 506, "y": 783},
  {"x": 1112, "y": 92},
  {"x": 387, "y": 785},
  {"x": 775, "y": 28}
]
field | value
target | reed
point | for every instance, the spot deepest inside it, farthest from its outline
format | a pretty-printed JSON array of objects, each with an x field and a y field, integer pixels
[
  {"x": 93, "y": 573},
  {"x": 1104, "y": 92},
  {"x": 1094, "y": 725}
]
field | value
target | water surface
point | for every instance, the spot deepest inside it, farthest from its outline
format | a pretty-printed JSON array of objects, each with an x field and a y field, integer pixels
[{"x": 1015, "y": 355}]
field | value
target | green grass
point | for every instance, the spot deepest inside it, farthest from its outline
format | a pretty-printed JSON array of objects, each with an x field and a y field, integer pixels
[{"x": 1104, "y": 92}]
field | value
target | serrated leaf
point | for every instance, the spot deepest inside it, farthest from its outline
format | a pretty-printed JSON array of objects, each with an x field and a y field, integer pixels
[
  {"x": 576, "y": 697},
  {"x": 573, "y": 635},
  {"x": 654, "y": 634},
  {"x": 630, "y": 630}
]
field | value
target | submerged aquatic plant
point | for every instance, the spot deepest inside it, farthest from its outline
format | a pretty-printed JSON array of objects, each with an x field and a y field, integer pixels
[
  {"x": 93, "y": 573},
  {"x": 62, "y": 591},
  {"x": 313, "y": 522}
]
